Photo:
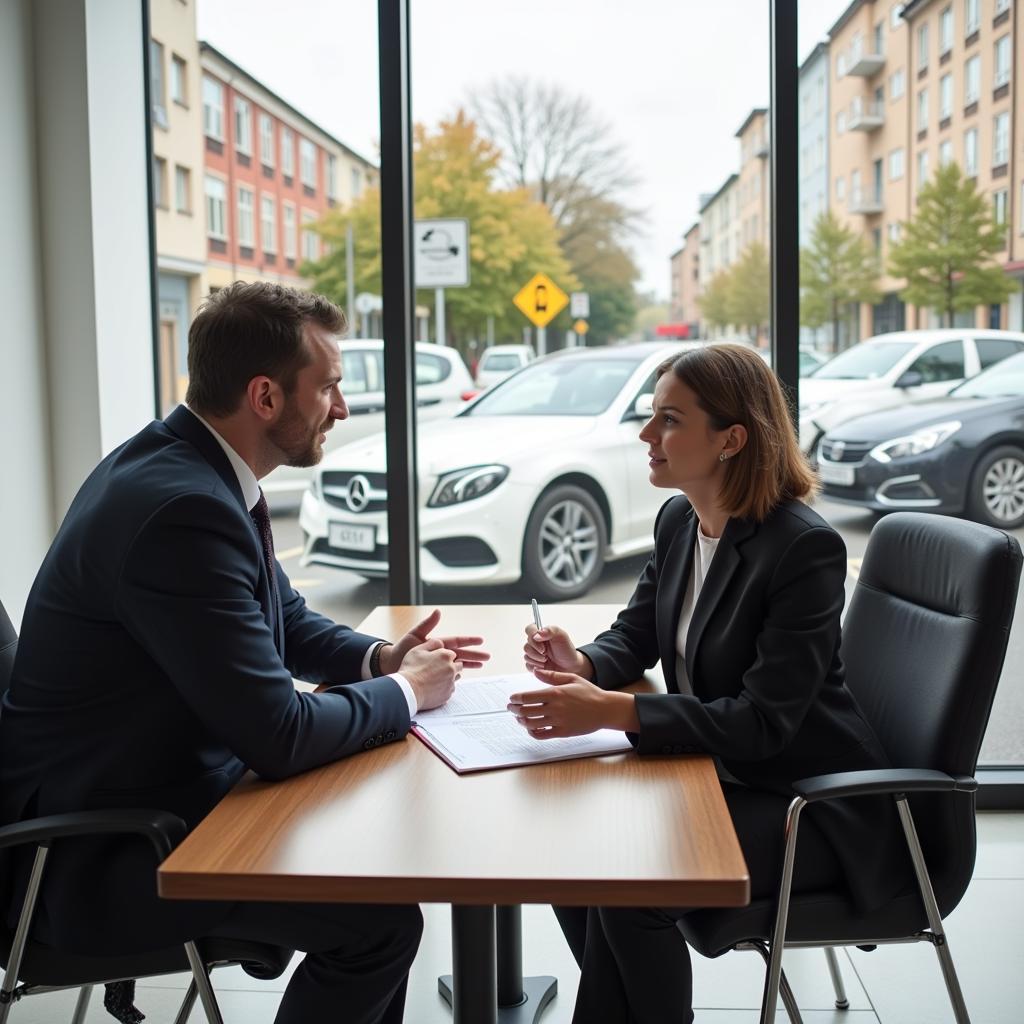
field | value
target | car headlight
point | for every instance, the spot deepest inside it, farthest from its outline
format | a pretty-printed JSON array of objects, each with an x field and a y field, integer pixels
[
  {"x": 923, "y": 440},
  {"x": 466, "y": 484}
]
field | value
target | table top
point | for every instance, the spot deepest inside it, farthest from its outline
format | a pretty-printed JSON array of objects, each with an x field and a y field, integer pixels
[{"x": 396, "y": 824}]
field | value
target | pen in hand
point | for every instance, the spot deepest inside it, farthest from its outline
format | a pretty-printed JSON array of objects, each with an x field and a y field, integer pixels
[{"x": 536, "y": 613}]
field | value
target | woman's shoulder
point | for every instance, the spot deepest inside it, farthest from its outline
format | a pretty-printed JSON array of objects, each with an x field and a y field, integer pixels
[
  {"x": 791, "y": 519},
  {"x": 675, "y": 511}
]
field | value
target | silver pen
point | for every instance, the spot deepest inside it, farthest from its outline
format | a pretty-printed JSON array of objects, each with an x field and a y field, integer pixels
[{"x": 536, "y": 613}]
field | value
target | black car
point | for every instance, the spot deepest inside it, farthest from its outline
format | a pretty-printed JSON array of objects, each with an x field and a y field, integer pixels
[{"x": 962, "y": 454}]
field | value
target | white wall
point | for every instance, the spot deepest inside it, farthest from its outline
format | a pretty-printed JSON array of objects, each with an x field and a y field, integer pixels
[{"x": 74, "y": 261}]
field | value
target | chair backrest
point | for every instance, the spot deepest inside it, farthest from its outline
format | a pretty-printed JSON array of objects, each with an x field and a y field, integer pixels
[
  {"x": 8, "y": 645},
  {"x": 924, "y": 641}
]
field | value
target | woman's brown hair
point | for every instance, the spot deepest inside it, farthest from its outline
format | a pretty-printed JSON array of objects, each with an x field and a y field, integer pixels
[{"x": 733, "y": 384}]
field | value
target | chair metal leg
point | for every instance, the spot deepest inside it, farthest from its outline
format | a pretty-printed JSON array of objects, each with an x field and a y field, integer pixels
[
  {"x": 931, "y": 907},
  {"x": 201, "y": 979},
  {"x": 785, "y": 990},
  {"x": 842, "y": 1003},
  {"x": 20, "y": 940},
  {"x": 82, "y": 1005},
  {"x": 187, "y": 1003}
]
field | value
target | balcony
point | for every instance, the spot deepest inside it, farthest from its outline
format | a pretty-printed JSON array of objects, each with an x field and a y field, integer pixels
[
  {"x": 864, "y": 64},
  {"x": 865, "y": 116},
  {"x": 866, "y": 201}
]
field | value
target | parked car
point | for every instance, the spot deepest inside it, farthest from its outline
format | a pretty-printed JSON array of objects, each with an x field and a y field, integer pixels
[
  {"x": 542, "y": 478},
  {"x": 893, "y": 369},
  {"x": 960, "y": 454},
  {"x": 810, "y": 361},
  {"x": 443, "y": 384},
  {"x": 501, "y": 361}
]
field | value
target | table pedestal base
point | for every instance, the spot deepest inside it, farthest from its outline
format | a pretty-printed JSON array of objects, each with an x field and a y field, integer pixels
[{"x": 537, "y": 993}]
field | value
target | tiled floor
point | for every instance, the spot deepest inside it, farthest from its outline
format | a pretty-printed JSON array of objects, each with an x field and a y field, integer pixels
[{"x": 893, "y": 985}]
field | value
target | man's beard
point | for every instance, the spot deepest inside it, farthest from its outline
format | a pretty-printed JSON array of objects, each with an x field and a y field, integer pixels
[{"x": 292, "y": 436}]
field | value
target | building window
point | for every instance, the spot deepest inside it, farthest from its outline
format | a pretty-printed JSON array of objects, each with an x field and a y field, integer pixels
[
  {"x": 840, "y": 189},
  {"x": 896, "y": 165},
  {"x": 307, "y": 163},
  {"x": 922, "y": 168},
  {"x": 971, "y": 152},
  {"x": 1001, "y": 139},
  {"x": 945, "y": 97},
  {"x": 158, "y": 97},
  {"x": 895, "y": 232},
  {"x": 946, "y": 31},
  {"x": 922, "y": 110},
  {"x": 922, "y": 47},
  {"x": 999, "y": 207},
  {"x": 182, "y": 189},
  {"x": 894, "y": 16},
  {"x": 972, "y": 16},
  {"x": 266, "y": 140},
  {"x": 216, "y": 208},
  {"x": 945, "y": 152},
  {"x": 1002, "y": 61},
  {"x": 179, "y": 81},
  {"x": 289, "y": 231},
  {"x": 972, "y": 80},
  {"x": 246, "y": 224},
  {"x": 160, "y": 182},
  {"x": 840, "y": 122},
  {"x": 897, "y": 84},
  {"x": 879, "y": 43},
  {"x": 1002, "y": 5},
  {"x": 213, "y": 109},
  {"x": 287, "y": 153},
  {"x": 243, "y": 126},
  {"x": 310, "y": 241},
  {"x": 332, "y": 176},
  {"x": 268, "y": 224}
]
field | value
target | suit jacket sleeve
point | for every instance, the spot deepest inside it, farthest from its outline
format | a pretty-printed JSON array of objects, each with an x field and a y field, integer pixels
[
  {"x": 186, "y": 594},
  {"x": 794, "y": 649}
]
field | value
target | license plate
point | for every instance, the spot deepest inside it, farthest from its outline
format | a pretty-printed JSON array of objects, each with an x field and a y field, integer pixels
[
  {"x": 352, "y": 537},
  {"x": 841, "y": 476}
]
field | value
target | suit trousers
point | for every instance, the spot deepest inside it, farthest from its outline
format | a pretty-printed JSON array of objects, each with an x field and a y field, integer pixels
[
  {"x": 635, "y": 964},
  {"x": 357, "y": 957}
]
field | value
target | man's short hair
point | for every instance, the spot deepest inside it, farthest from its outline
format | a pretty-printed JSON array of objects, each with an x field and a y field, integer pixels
[{"x": 251, "y": 329}]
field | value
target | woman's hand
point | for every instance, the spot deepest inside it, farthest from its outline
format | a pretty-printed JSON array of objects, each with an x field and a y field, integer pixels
[
  {"x": 571, "y": 706},
  {"x": 550, "y": 649}
]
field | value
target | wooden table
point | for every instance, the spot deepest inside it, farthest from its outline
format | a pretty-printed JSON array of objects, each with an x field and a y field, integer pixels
[{"x": 397, "y": 825}]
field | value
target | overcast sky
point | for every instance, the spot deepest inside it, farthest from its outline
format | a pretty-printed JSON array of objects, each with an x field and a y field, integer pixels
[{"x": 674, "y": 79}]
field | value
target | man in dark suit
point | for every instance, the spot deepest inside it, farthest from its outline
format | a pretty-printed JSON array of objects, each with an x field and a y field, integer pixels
[{"x": 157, "y": 652}]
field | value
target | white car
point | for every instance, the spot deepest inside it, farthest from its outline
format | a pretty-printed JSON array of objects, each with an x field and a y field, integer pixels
[
  {"x": 892, "y": 369},
  {"x": 501, "y": 361},
  {"x": 542, "y": 478},
  {"x": 443, "y": 385}
]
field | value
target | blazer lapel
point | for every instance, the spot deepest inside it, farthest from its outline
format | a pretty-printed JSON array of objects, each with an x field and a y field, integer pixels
[
  {"x": 675, "y": 570},
  {"x": 724, "y": 564}
]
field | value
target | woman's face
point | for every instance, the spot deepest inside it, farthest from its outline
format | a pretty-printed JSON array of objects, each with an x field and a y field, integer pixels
[{"x": 684, "y": 448}]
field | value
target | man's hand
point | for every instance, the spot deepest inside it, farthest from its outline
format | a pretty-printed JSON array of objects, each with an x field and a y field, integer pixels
[
  {"x": 431, "y": 670},
  {"x": 571, "y": 706},
  {"x": 550, "y": 649},
  {"x": 465, "y": 648}
]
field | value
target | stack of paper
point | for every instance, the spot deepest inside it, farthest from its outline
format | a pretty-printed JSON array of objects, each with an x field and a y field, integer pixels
[{"x": 475, "y": 730}]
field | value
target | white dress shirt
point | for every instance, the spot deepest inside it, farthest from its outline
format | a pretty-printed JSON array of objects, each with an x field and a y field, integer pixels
[
  {"x": 251, "y": 495},
  {"x": 703, "y": 551}
]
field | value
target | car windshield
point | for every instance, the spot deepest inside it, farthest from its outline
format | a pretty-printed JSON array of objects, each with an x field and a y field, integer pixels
[
  {"x": 1005, "y": 379},
  {"x": 501, "y": 362},
  {"x": 865, "y": 361},
  {"x": 558, "y": 387}
]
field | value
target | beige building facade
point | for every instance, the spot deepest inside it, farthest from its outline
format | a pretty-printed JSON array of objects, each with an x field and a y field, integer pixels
[
  {"x": 685, "y": 264},
  {"x": 753, "y": 185}
]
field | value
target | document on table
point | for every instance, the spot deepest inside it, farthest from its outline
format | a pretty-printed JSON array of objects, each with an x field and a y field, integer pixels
[{"x": 475, "y": 731}]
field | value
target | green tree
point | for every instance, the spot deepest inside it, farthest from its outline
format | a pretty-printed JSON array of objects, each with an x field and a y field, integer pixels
[
  {"x": 716, "y": 300},
  {"x": 511, "y": 236},
  {"x": 836, "y": 268},
  {"x": 748, "y": 293},
  {"x": 946, "y": 249}
]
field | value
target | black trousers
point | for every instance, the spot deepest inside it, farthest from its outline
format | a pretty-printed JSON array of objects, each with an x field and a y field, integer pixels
[
  {"x": 357, "y": 957},
  {"x": 635, "y": 964}
]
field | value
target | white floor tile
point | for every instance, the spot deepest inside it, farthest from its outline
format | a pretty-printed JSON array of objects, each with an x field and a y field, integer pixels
[{"x": 1000, "y": 846}]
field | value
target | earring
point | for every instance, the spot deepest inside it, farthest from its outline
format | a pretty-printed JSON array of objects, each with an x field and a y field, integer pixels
[{"x": 722, "y": 457}]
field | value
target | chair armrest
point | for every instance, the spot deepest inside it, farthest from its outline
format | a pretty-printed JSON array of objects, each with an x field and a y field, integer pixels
[
  {"x": 163, "y": 829},
  {"x": 882, "y": 780}
]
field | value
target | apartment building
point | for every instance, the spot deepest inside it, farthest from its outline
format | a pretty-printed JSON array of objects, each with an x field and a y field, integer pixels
[
  {"x": 176, "y": 118},
  {"x": 753, "y": 185},
  {"x": 965, "y": 63},
  {"x": 813, "y": 129},
  {"x": 685, "y": 264},
  {"x": 720, "y": 232},
  {"x": 270, "y": 174}
]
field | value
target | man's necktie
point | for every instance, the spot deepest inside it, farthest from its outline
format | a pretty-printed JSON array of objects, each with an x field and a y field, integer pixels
[{"x": 261, "y": 517}]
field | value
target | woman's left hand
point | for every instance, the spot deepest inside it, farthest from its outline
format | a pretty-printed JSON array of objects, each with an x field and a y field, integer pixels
[{"x": 571, "y": 706}]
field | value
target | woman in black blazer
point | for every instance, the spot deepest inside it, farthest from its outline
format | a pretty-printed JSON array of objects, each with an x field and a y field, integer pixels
[{"x": 740, "y": 601}]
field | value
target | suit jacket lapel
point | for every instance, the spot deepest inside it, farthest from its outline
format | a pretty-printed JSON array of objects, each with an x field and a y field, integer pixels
[
  {"x": 676, "y": 569},
  {"x": 724, "y": 564}
]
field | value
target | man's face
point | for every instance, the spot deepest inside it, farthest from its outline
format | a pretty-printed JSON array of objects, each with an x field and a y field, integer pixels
[{"x": 313, "y": 405}]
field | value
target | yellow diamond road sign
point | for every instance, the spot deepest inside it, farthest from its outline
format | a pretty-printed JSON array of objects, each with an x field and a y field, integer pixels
[
  {"x": 581, "y": 327},
  {"x": 541, "y": 300}
]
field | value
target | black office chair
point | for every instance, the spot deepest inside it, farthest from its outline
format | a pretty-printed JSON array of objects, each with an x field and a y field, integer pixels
[
  {"x": 32, "y": 968},
  {"x": 924, "y": 642}
]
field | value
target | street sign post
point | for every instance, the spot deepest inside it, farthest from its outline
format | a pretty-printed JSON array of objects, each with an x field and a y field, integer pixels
[
  {"x": 441, "y": 260},
  {"x": 540, "y": 300}
]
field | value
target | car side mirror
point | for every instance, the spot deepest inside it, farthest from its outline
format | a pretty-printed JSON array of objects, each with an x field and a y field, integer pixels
[
  {"x": 643, "y": 408},
  {"x": 909, "y": 379}
]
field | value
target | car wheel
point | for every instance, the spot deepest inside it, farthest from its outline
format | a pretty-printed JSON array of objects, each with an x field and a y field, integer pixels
[
  {"x": 563, "y": 550},
  {"x": 996, "y": 495}
]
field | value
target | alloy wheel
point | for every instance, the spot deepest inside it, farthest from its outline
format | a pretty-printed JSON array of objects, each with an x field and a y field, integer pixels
[{"x": 568, "y": 543}]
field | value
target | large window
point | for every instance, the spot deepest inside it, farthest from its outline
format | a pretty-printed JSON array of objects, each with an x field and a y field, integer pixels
[
  {"x": 246, "y": 224},
  {"x": 216, "y": 207},
  {"x": 287, "y": 152},
  {"x": 1002, "y": 62},
  {"x": 213, "y": 108},
  {"x": 1001, "y": 139},
  {"x": 307, "y": 163},
  {"x": 268, "y": 224},
  {"x": 266, "y": 140},
  {"x": 972, "y": 80},
  {"x": 243, "y": 126}
]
